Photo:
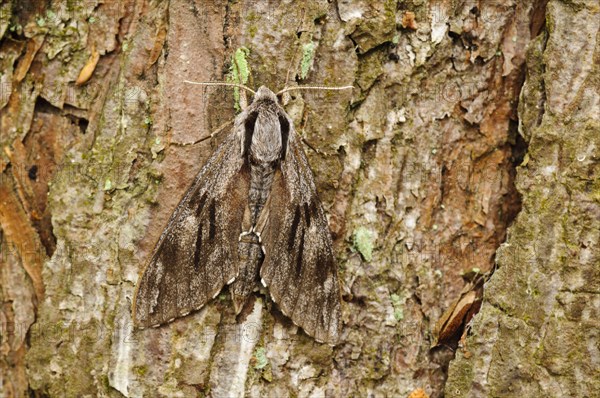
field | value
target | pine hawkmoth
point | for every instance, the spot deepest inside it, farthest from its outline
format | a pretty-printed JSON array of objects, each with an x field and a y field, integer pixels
[{"x": 251, "y": 215}]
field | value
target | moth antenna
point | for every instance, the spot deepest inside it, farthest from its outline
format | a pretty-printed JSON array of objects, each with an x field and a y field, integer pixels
[
  {"x": 315, "y": 88},
  {"x": 211, "y": 135},
  {"x": 221, "y": 84}
]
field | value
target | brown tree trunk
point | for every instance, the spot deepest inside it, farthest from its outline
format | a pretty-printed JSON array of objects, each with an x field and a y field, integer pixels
[
  {"x": 537, "y": 333},
  {"x": 415, "y": 168}
]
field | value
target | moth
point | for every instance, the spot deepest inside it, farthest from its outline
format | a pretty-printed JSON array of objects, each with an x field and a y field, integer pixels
[{"x": 251, "y": 216}]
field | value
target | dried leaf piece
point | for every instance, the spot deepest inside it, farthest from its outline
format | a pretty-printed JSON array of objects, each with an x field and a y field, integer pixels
[
  {"x": 88, "y": 69},
  {"x": 450, "y": 327},
  {"x": 33, "y": 45},
  {"x": 22, "y": 236},
  {"x": 159, "y": 42}
]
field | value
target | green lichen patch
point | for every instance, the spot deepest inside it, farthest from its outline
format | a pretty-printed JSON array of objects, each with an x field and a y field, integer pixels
[
  {"x": 363, "y": 242},
  {"x": 397, "y": 304},
  {"x": 308, "y": 55},
  {"x": 239, "y": 72},
  {"x": 260, "y": 358}
]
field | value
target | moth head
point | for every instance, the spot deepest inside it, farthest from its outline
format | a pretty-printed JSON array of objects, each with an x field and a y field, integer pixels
[
  {"x": 265, "y": 99},
  {"x": 263, "y": 93}
]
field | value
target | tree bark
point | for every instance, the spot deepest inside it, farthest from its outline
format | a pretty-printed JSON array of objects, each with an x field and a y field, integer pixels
[
  {"x": 415, "y": 168},
  {"x": 537, "y": 333}
]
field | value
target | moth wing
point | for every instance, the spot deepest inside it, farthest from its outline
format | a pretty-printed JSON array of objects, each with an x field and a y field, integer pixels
[
  {"x": 299, "y": 268},
  {"x": 196, "y": 255}
]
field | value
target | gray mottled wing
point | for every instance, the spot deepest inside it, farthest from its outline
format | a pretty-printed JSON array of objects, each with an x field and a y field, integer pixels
[
  {"x": 196, "y": 254},
  {"x": 299, "y": 268}
]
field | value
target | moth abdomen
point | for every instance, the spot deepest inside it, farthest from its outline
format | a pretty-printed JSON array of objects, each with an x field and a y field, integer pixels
[
  {"x": 248, "y": 244},
  {"x": 261, "y": 180},
  {"x": 250, "y": 258}
]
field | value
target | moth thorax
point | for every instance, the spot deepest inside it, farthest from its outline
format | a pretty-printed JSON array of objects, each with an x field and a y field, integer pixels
[{"x": 266, "y": 138}]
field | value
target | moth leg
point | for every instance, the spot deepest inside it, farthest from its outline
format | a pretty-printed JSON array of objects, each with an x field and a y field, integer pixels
[
  {"x": 213, "y": 134},
  {"x": 320, "y": 152}
]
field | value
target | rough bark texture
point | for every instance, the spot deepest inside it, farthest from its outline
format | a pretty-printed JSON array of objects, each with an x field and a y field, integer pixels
[
  {"x": 537, "y": 333},
  {"x": 416, "y": 171}
]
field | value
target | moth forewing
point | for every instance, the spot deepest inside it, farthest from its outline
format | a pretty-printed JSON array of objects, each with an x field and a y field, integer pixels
[
  {"x": 299, "y": 267},
  {"x": 196, "y": 253}
]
